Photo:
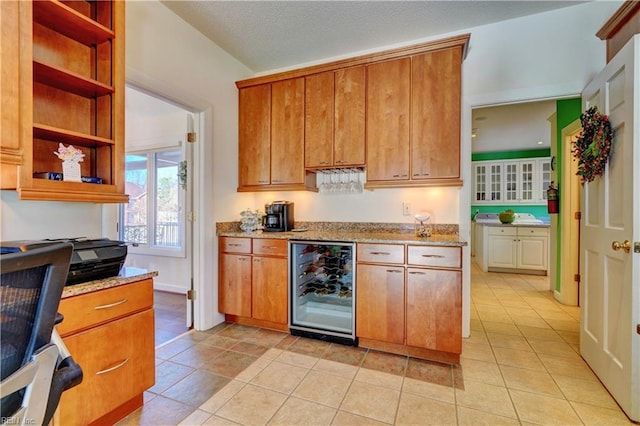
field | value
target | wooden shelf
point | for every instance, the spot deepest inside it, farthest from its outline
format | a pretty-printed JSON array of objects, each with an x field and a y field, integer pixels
[
  {"x": 42, "y": 131},
  {"x": 64, "y": 20},
  {"x": 69, "y": 81}
]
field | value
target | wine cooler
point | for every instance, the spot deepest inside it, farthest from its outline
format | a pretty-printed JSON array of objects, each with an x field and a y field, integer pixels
[{"x": 322, "y": 290}]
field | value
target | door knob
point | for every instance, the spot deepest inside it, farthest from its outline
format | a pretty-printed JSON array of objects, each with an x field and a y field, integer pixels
[{"x": 617, "y": 245}]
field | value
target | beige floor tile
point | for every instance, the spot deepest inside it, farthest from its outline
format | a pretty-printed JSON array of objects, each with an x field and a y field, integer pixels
[
  {"x": 487, "y": 398},
  {"x": 376, "y": 402},
  {"x": 379, "y": 378},
  {"x": 562, "y": 349},
  {"x": 218, "y": 421},
  {"x": 508, "y": 341},
  {"x": 542, "y": 409},
  {"x": 502, "y": 317},
  {"x": 470, "y": 417},
  {"x": 477, "y": 351},
  {"x": 530, "y": 322},
  {"x": 481, "y": 371},
  {"x": 158, "y": 411},
  {"x": 557, "y": 365},
  {"x": 280, "y": 377},
  {"x": 222, "y": 396},
  {"x": 323, "y": 388},
  {"x": 530, "y": 380},
  {"x": 570, "y": 325},
  {"x": 297, "y": 359},
  {"x": 197, "y": 418},
  {"x": 253, "y": 369},
  {"x": 300, "y": 412},
  {"x": 555, "y": 314},
  {"x": 570, "y": 337},
  {"x": 585, "y": 391},
  {"x": 478, "y": 336},
  {"x": 416, "y": 410},
  {"x": 502, "y": 328},
  {"x": 429, "y": 390},
  {"x": 539, "y": 333},
  {"x": 252, "y": 405},
  {"x": 336, "y": 368},
  {"x": 592, "y": 415},
  {"x": 344, "y": 418},
  {"x": 272, "y": 353},
  {"x": 514, "y": 358}
]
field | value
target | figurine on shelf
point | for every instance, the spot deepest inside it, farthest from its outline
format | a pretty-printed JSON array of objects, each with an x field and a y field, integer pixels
[{"x": 71, "y": 158}]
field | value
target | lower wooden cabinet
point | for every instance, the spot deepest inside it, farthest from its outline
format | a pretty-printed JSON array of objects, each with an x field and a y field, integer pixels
[
  {"x": 110, "y": 334},
  {"x": 411, "y": 306},
  {"x": 253, "y": 281}
]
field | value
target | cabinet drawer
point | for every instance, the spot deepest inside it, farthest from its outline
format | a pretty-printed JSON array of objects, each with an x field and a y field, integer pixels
[
  {"x": 438, "y": 257},
  {"x": 270, "y": 246},
  {"x": 86, "y": 310},
  {"x": 117, "y": 361},
  {"x": 235, "y": 245},
  {"x": 502, "y": 230},
  {"x": 380, "y": 253},
  {"x": 533, "y": 232}
]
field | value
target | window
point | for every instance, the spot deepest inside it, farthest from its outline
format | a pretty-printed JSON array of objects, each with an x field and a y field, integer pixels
[{"x": 153, "y": 220}]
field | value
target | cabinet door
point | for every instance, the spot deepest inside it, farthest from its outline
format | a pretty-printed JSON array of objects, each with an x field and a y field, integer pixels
[
  {"x": 434, "y": 309},
  {"x": 380, "y": 303},
  {"x": 532, "y": 249},
  {"x": 235, "y": 285},
  {"x": 349, "y": 132},
  {"x": 254, "y": 135},
  {"x": 287, "y": 132},
  {"x": 480, "y": 182},
  {"x": 435, "y": 114},
  {"x": 527, "y": 185},
  {"x": 388, "y": 109},
  {"x": 318, "y": 123},
  {"x": 117, "y": 361},
  {"x": 502, "y": 251},
  {"x": 269, "y": 293},
  {"x": 543, "y": 178},
  {"x": 495, "y": 182}
]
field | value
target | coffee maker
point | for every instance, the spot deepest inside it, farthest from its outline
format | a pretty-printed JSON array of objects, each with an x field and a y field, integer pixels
[{"x": 278, "y": 217}]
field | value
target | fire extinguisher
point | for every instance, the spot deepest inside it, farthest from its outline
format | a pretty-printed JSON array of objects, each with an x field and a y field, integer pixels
[{"x": 552, "y": 199}]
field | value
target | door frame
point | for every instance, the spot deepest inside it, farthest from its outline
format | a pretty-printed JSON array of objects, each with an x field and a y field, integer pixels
[{"x": 199, "y": 249}]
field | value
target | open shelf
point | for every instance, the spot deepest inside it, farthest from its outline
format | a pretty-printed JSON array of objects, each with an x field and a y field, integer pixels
[
  {"x": 69, "y": 81},
  {"x": 42, "y": 131},
  {"x": 65, "y": 20}
]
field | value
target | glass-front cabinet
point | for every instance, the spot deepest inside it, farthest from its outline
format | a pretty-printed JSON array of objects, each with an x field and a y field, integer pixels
[{"x": 523, "y": 181}]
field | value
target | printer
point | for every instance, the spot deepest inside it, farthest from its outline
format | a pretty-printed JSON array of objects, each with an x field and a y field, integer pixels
[{"x": 92, "y": 259}]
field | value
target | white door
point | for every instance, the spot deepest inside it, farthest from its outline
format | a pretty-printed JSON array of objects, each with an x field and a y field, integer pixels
[{"x": 610, "y": 297}]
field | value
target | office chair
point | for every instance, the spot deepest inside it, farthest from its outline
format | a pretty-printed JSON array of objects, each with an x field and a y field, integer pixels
[{"x": 35, "y": 365}]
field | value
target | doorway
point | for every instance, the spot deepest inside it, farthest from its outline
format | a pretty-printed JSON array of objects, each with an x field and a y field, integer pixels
[{"x": 157, "y": 221}]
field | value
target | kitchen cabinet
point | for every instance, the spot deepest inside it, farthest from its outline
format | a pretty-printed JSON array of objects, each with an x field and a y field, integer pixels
[
  {"x": 253, "y": 281},
  {"x": 409, "y": 299},
  {"x": 335, "y": 119},
  {"x": 110, "y": 334},
  {"x": 523, "y": 249},
  {"x": 404, "y": 103},
  {"x": 71, "y": 91},
  {"x": 271, "y": 137},
  {"x": 523, "y": 181}
]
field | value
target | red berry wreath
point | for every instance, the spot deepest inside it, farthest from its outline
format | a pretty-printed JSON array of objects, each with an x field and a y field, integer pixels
[{"x": 593, "y": 146}]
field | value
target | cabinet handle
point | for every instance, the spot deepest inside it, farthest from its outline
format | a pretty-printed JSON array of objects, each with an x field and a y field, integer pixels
[
  {"x": 395, "y": 271},
  {"x": 396, "y": 175},
  {"x": 270, "y": 247},
  {"x": 417, "y": 273},
  {"x": 115, "y": 367},
  {"x": 111, "y": 305},
  {"x": 276, "y": 180},
  {"x": 340, "y": 162},
  {"x": 438, "y": 256},
  {"x": 382, "y": 253},
  {"x": 235, "y": 245},
  {"x": 243, "y": 259},
  {"x": 263, "y": 181},
  {"x": 258, "y": 260}
]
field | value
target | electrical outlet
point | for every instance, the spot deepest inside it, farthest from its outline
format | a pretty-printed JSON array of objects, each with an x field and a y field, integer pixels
[{"x": 406, "y": 208}]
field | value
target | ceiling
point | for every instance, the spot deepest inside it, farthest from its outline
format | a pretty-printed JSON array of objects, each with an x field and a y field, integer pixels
[{"x": 269, "y": 35}]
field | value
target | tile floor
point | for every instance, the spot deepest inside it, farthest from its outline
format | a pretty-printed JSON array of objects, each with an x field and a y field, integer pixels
[
  {"x": 170, "y": 315},
  {"x": 520, "y": 366}
]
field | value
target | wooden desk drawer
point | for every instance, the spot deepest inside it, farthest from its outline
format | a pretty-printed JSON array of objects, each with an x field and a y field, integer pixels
[
  {"x": 437, "y": 257},
  {"x": 117, "y": 361},
  {"x": 90, "y": 309},
  {"x": 380, "y": 253},
  {"x": 235, "y": 245},
  {"x": 270, "y": 246}
]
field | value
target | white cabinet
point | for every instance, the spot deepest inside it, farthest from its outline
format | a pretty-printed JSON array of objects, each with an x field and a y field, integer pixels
[
  {"x": 523, "y": 181},
  {"x": 518, "y": 248}
]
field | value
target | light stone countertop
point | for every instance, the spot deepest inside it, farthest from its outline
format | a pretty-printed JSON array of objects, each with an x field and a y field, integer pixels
[
  {"x": 127, "y": 275},
  {"x": 516, "y": 225}
]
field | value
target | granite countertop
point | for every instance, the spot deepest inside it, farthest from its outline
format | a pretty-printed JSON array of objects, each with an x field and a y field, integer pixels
[
  {"x": 443, "y": 235},
  {"x": 517, "y": 225},
  {"x": 126, "y": 276}
]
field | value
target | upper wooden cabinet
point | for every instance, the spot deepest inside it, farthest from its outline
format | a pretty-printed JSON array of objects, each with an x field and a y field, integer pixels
[
  {"x": 70, "y": 91},
  {"x": 271, "y": 137},
  {"x": 335, "y": 118},
  {"x": 404, "y": 102}
]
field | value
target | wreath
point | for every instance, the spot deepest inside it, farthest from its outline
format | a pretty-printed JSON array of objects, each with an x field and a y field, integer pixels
[{"x": 593, "y": 146}]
